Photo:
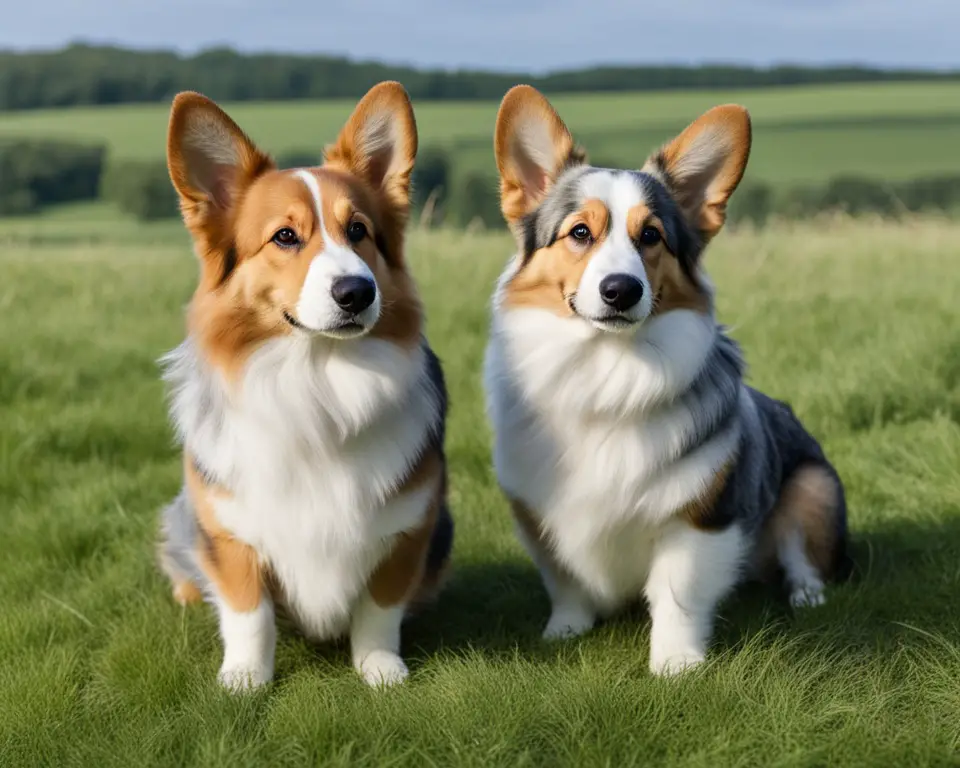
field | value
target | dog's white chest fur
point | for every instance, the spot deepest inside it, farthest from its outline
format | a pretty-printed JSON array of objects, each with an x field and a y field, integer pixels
[
  {"x": 311, "y": 444},
  {"x": 586, "y": 424}
]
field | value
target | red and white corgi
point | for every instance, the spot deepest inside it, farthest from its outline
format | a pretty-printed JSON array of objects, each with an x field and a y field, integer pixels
[
  {"x": 638, "y": 462},
  {"x": 310, "y": 407}
]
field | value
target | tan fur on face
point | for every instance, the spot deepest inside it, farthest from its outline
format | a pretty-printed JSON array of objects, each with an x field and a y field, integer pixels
[
  {"x": 234, "y": 201},
  {"x": 549, "y": 279},
  {"x": 231, "y": 566},
  {"x": 672, "y": 287}
]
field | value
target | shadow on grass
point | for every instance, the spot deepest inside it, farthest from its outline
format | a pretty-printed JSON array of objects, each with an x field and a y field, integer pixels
[
  {"x": 496, "y": 607},
  {"x": 903, "y": 593}
]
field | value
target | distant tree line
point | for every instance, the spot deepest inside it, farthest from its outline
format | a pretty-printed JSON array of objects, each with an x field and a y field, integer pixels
[
  {"x": 39, "y": 173},
  {"x": 758, "y": 202},
  {"x": 35, "y": 174},
  {"x": 84, "y": 74}
]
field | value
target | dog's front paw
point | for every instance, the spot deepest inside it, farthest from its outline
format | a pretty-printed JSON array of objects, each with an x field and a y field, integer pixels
[
  {"x": 807, "y": 596},
  {"x": 567, "y": 623},
  {"x": 240, "y": 677},
  {"x": 383, "y": 669},
  {"x": 671, "y": 663}
]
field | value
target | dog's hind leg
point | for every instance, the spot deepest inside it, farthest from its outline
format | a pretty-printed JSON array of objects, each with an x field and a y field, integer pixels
[
  {"x": 178, "y": 547},
  {"x": 809, "y": 530}
]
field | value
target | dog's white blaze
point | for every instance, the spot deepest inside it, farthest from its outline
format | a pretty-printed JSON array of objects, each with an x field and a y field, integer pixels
[
  {"x": 314, "y": 186},
  {"x": 316, "y": 307},
  {"x": 617, "y": 254}
]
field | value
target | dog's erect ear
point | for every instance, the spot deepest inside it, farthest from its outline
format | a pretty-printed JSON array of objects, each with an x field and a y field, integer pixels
[
  {"x": 379, "y": 142},
  {"x": 211, "y": 161},
  {"x": 704, "y": 165},
  {"x": 532, "y": 147}
]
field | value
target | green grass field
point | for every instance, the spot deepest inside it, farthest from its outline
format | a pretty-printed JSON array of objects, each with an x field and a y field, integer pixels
[
  {"x": 855, "y": 323},
  {"x": 803, "y": 134}
]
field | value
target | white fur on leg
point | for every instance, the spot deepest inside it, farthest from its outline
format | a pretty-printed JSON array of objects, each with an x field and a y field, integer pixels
[
  {"x": 806, "y": 586},
  {"x": 249, "y": 645},
  {"x": 691, "y": 572},
  {"x": 571, "y": 612},
  {"x": 375, "y": 642}
]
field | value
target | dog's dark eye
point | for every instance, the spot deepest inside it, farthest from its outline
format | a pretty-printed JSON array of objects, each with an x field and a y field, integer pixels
[
  {"x": 649, "y": 236},
  {"x": 581, "y": 233},
  {"x": 286, "y": 238},
  {"x": 356, "y": 231}
]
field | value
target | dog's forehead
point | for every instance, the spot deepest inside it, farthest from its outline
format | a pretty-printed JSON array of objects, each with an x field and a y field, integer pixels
[
  {"x": 619, "y": 190},
  {"x": 623, "y": 191}
]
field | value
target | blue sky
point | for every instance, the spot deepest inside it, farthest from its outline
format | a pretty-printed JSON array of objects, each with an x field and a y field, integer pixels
[{"x": 531, "y": 35}]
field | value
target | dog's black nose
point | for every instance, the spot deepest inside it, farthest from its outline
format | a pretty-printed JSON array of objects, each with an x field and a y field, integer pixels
[
  {"x": 353, "y": 294},
  {"x": 621, "y": 291}
]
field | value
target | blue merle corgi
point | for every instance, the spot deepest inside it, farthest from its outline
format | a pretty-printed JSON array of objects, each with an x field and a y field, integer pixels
[{"x": 637, "y": 461}]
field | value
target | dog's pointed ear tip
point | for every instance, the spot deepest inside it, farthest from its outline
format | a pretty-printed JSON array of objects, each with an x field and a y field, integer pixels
[
  {"x": 520, "y": 97},
  {"x": 184, "y": 97},
  {"x": 734, "y": 116},
  {"x": 389, "y": 86},
  {"x": 187, "y": 103},
  {"x": 193, "y": 111},
  {"x": 391, "y": 94},
  {"x": 521, "y": 90},
  {"x": 522, "y": 105}
]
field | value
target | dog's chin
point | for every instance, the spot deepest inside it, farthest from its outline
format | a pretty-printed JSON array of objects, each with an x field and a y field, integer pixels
[
  {"x": 345, "y": 331},
  {"x": 615, "y": 323},
  {"x": 342, "y": 331}
]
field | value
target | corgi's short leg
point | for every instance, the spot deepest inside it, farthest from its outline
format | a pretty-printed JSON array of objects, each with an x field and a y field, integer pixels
[
  {"x": 398, "y": 579},
  {"x": 692, "y": 570},
  {"x": 177, "y": 550},
  {"x": 375, "y": 642},
  {"x": 249, "y": 645},
  {"x": 247, "y": 624},
  {"x": 806, "y": 586},
  {"x": 808, "y": 533},
  {"x": 572, "y": 612}
]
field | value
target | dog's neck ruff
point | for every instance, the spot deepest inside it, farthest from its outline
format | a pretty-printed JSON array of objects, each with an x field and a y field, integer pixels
[
  {"x": 312, "y": 398},
  {"x": 565, "y": 366}
]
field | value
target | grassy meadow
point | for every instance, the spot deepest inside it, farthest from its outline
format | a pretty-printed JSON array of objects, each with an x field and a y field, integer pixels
[
  {"x": 856, "y": 323},
  {"x": 805, "y": 134}
]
